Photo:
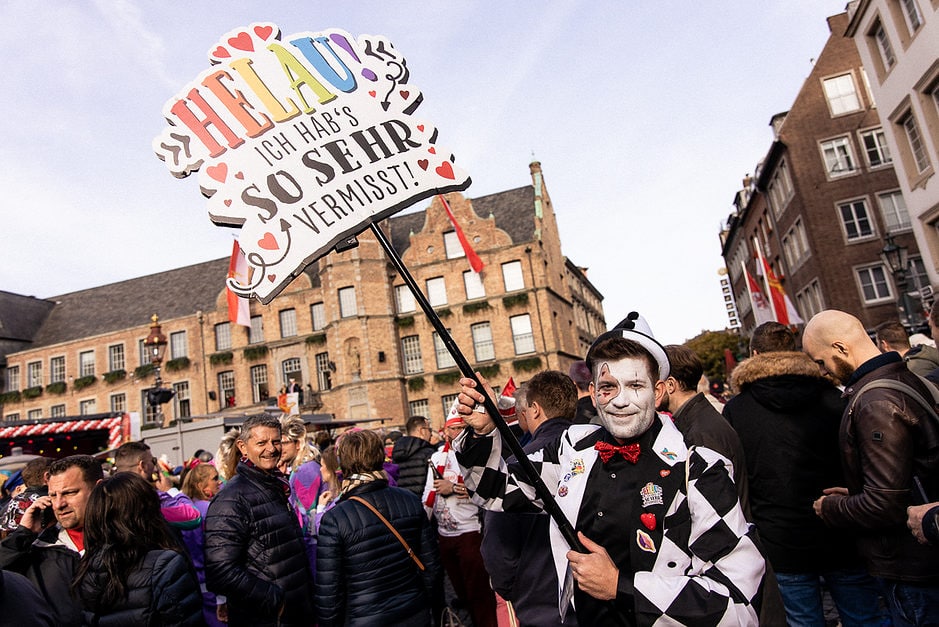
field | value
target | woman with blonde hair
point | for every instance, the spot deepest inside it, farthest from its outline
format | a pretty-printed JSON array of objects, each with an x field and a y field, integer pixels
[
  {"x": 227, "y": 456},
  {"x": 200, "y": 484}
]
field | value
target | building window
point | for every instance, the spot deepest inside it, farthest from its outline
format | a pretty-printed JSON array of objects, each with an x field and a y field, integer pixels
[
  {"x": 13, "y": 378},
  {"x": 256, "y": 332},
  {"x": 855, "y": 220},
  {"x": 411, "y": 349},
  {"x": 226, "y": 388},
  {"x": 444, "y": 358},
  {"x": 223, "y": 336},
  {"x": 288, "y": 323},
  {"x": 34, "y": 374},
  {"x": 512, "y": 276},
  {"x": 291, "y": 368},
  {"x": 447, "y": 402},
  {"x": 482, "y": 342},
  {"x": 14, "y": 417},
  {"x": 875, "y": 148},
  {"x": 181, "y": 400},
  {"x": 178, "y": 346},
  {"x": 324, "y": 380},
  {"x": 911, "y": 15},
  {"x": 795, "y": 245},
  {"x": 56, "y": 369},
  {"x": 118, "y": 402},
  {"x": 780, "y": 188},
  {"x": 57, "y": 411},
  {"x": 151, "y": 413},
  {"x": 419, "y": 408},
  {"x": 86, "y": 407},
  {"x": 893, "y": 208},
  {"x": 318, "y": 315},
  {"x": 473, "y": 282},
  {"x": 34, "y": 414},
  {"x": 86, "y": 364},
  {"x": 842, "y": 94},
  {"x": 884, "y": 47},
  {"x": 809, "y": 300},
  {"x": 347, "y": 305},
  {"x": 259, "y": 391},
  {"x": 838, "y": 158},
  {"x": 436, "y": 291},
  {"x": 115, "y": 357},
  {"x": 452, "y": 246},
  {"x": 404, "y": 299},
  {"x": 918, "y": 150},
  {"x": 875, "y": 288},
  {"x": 521, "y": 334},
  {"x": 143, "y": 352},
  {"x": 918, "y": 272}
]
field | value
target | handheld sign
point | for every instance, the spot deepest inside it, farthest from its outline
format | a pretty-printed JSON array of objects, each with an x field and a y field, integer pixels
[{"x": 302, "y": 143}]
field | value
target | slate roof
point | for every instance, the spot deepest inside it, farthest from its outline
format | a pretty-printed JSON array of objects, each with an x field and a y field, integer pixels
[
  {"x": 514, "y": 211},
  {"x": 183, "y": 291}
]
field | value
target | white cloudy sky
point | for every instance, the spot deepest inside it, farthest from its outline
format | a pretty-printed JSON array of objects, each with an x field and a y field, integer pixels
[{"x": 645, "y": 117}]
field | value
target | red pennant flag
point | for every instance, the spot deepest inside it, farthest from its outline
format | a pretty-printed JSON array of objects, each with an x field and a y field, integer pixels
[
  {"x": 475, "y": 262},
  {"x": 238, "y": 308}
]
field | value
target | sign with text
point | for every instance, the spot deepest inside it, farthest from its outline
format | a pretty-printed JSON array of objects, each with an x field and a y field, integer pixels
[{"x": 302, "y": 143}]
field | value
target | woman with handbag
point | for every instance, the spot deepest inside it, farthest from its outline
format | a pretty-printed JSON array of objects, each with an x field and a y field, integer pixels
[{"x": 376, "y": 557}]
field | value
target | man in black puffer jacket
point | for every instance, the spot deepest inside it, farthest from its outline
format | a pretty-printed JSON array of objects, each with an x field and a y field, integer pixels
[
  {"x": 412, "y": 453},
  {"x": 254, "y": 549}
]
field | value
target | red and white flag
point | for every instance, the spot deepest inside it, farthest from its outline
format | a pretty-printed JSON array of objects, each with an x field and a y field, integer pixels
[
  {"x": 785, "y": 312},
  {"x": 761, "y": 309},
  {"x": 506, "y": 400},
  {"x": 238, "y": 307},
  {"x": 475, "y": 262}
]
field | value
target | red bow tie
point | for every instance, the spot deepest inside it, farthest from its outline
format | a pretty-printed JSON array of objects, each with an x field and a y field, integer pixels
[{"x": 630, "y": 452}]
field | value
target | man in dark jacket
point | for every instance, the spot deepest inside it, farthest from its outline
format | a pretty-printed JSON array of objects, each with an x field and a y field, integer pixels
[
  {"x": 254, "y": 549},
  {"x": 48, "y": 555},
  {"x": 886, "y": 440},
  {"x": 516, "y": 549},
  {"x": 412, "y": 453},
  {"x": 787, "y": 415}
]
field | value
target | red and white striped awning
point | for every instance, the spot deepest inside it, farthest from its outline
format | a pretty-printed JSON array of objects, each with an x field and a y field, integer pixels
[{"x": 114, "y": 426}]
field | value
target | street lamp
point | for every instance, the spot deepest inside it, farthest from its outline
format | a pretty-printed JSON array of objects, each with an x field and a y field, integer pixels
[
  {"x": 896, "y": 258},
  {"x": 155, "y": 343}
]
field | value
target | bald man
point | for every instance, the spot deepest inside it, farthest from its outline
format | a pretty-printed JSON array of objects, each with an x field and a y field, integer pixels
[{"x": 886, "y": 439}]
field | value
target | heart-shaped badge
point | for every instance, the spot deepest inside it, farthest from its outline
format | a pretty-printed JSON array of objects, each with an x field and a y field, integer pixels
[{"x": 648, "y": 520}]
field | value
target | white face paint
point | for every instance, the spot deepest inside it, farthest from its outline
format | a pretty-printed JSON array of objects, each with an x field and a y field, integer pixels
[{"x": 625, "y": 397}]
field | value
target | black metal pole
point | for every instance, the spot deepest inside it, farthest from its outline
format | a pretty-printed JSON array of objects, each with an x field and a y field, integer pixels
[{"x": 528, "y": 469}]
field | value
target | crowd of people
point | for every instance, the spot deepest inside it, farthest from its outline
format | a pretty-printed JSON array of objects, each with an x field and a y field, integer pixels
[{"x": 637, "y": 500}]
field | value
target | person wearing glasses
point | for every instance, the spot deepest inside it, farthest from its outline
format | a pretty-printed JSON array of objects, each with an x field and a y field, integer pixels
[{"x": 412, "y": 453}]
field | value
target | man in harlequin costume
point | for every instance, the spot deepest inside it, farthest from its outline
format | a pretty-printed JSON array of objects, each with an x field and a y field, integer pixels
[{"x": 665, "y": 536}]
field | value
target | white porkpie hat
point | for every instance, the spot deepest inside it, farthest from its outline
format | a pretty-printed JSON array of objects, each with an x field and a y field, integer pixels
[{"x": 634, "y": 327}]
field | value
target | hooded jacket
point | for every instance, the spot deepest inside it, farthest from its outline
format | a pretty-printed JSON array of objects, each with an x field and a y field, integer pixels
[
  {"x": 411, "y": 455},
  {"x": 787, "y": 417},
  {"x": 922, "y": 359}
]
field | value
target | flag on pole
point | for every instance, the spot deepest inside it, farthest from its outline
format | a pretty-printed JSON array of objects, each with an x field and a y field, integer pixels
[
  {"x": 475, "y": 262},
  {"x": 238, "y": 308},
  {"x": 761, "y": 309},
  {"x": 783, "y": 309}
]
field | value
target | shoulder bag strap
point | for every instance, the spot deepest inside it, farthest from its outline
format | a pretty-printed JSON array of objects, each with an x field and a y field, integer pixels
[
  {"x": 900, "y": 387},
  {"x": 403, "y": 542}
]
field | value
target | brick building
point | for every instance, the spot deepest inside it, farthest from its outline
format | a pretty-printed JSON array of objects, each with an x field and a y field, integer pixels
[
  {"x": 824, "y": 198},
  {"x": 897, "y": 41},
  {"x": 347, "y": 328}
]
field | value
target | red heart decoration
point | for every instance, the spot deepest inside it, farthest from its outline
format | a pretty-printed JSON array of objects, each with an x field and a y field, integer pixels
[
  {"x": 405, "y": 94},
  {"x": 445, "y": 170},
  {"x": 648, "y": 520},
  {"x": 420, "y": 127},
  {"x": 242, "y": 42},
  {"x": 218, "y": 172},
  {"x": 227, "y": 202},
  {"x": 664, "y": 473},
  {"x": 372, "y": 93},
  {"x": 263, "y": 31},
  {"x": 268, "y": 242},
  {"x": 271, "y": 277},
  {"x": 423, "y": 163},
  {"x": 221, "y": 53},
  {"x": 240, "y": 175},
  {"x": 432, "y": 150}
]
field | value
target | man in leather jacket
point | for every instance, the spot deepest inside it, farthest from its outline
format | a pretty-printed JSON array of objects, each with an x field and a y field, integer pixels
[{"x": 886, "y": 440}]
